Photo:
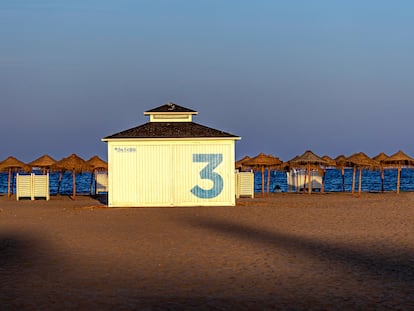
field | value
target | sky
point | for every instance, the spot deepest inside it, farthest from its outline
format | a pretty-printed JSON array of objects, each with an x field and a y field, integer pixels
[{"x": 335, "y": 77}]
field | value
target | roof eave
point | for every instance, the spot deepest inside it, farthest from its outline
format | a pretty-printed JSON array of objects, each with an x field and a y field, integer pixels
[
  {"x": 147, "y": 113},
  {"x": 107, "y": 139}
]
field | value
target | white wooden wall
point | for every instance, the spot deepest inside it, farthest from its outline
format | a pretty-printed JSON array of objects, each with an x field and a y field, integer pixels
[{"x": 171, "y": 173}]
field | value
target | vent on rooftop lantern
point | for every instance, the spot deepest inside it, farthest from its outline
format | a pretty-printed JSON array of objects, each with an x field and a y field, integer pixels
[{"x": 171, "y": 106}]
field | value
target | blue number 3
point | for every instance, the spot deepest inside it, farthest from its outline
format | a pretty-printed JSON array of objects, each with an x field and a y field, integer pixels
[{"x": 213, "y": 161}]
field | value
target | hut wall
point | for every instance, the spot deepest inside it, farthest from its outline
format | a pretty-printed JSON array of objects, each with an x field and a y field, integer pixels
[{"x": 171, "y": 173}]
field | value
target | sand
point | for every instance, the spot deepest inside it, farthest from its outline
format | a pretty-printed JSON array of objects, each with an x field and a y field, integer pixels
[{"x": 281, "y": 252}]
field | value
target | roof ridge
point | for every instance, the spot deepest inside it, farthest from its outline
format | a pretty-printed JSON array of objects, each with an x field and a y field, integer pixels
[{"x": 170, "y": 130}]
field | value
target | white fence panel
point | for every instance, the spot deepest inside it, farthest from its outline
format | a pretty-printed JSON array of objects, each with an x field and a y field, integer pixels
[
  {"x": 32, "y": 186},
  {"x": 244, "y": 184},
  {"x": 24, "y": 186}
]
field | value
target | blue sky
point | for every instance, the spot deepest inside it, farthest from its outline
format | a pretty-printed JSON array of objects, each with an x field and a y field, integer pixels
[{"x": 332, "y": 76}]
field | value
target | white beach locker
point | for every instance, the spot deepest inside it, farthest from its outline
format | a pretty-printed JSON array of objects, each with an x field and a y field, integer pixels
[
  {"x": 298, "y": 179},
  {"x": 32, "y": 186},
  {"x": 244, "y": 184},
  {"x": 171, "y": 163}
]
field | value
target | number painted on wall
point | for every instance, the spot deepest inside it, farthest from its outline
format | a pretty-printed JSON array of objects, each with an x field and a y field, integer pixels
[{"x": 213, "y": 161}]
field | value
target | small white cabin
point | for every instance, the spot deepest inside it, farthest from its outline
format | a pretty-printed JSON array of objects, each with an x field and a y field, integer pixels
[
  {"x": 298, "y": 180},
  {"x": 171, "y": 161}
]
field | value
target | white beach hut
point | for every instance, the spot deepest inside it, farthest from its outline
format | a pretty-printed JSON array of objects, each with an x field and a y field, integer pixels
[{"x": 171, "y": 161}]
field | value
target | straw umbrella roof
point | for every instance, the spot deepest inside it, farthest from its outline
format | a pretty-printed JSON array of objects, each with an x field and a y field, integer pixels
[
  {"x": 72, "y": 163},
  {"x": 381, "y": 157},
  {"x": 362, "y": 160},
  {"x": 290, "y": 162},
  {"x": 400, "y": 157},
  {"x": 308, "y": 158},
  {"x": 294, "y": 159},
  {"x": 329, "y": 160},
  {"x": 239, "y": 163},
  {"x": 340, "y": 161},
  {"x": 277, "y": 162},
  {"x": 45, "y": 161},
  {"x": 13, "y": 163},
  {"x": 263, "y": 160},
  {"x": 97, "y": 163}
]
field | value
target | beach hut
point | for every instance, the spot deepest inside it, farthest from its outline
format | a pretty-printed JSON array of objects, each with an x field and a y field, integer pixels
[
  {"x": 171, "y": 161},
  {"x": 310, "y": 161},
  {"x": 260, "y": 163},
  {"x": 74, "y": 164},
  {"x": 399, "y": 159},
  {"x": 11, "y": 165},
  {"x": 362, "y": 161}
]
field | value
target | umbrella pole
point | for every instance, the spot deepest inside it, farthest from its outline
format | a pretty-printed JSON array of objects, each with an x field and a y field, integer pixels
[
  {"x": 8, "y": 183},
  {"x": 353, "y": 180},
  {"x": 262, "y": 180},
  {"x": 360, "y": 181},
  {"x": 59, "y": 181},
  {"x": 297, "y": 182},
  {"x": 310, "y": 179},
  {"x": 12, "y": 183},
  {"x": 92, "y": 180},
  {"x": 382, "y": 179},
  {"x": 290, "y": 179},
  {"x": 398, "y": 177},
  {"x": 343, "y": 179},
  {"x": 95, "y": 181},
  {"x": 268, "y": 179},
  {"x": 74, "y": 184},
  {"x": 323, "y": 181},
  {"x": 305, "y": 180}
]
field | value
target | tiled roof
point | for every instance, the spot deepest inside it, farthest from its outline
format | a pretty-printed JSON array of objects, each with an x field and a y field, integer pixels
[
  {"x": 170, "y": 130},
  {"x": 171, "y": 107}
]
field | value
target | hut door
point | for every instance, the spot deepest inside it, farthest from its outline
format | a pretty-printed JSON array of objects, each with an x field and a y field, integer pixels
[{"x": 154, "y": 171}]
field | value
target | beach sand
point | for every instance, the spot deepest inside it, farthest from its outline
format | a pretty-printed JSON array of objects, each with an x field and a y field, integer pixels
[{"x": 280, "y": 252}]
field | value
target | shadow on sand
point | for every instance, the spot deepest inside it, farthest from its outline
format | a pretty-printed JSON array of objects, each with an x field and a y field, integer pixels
[
  {"x": 396, "y": 267},
  {"x": 20, "y": 267}
]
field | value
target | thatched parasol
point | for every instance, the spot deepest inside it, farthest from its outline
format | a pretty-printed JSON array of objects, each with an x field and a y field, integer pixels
[
  {"x": 239, "y": 164},
  {"x": 381, "y": 157},
  {"x": 277, "y": 165},
  {"x": 10, "y": 165},
  {"x": 75, "y": 164},
  {"x": 262, "y": 161},
  {"x": 340, "y": 165},
  {"x": 97, "y": 164},
  {"x": 44, "y": 162},
  {"x": 308, "y": 159},
  {"x": 329, "y": 161},
  {"x": 362, "y": 161},
  {"x": 399, "y": 158}
]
